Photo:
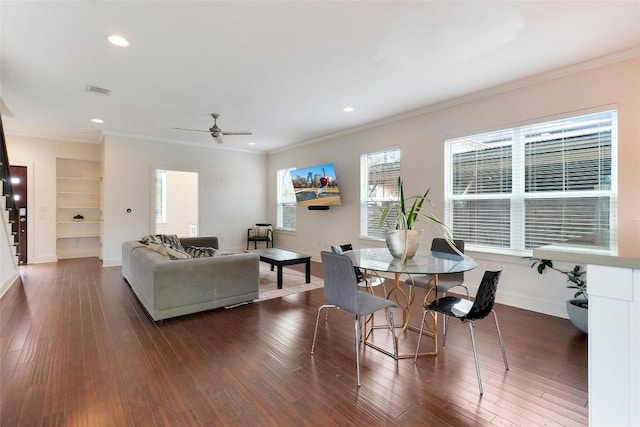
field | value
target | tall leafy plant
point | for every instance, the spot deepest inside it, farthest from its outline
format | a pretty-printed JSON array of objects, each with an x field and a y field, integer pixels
[
  {"x": 407, "y": 211},
  {"x": 405, "y": 219},
  {"x": 574, "y": 277}
]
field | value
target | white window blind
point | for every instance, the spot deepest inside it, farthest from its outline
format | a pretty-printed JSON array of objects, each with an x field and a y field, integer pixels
[
  {"x": 286, "y": 203},
  {"x": 161, "y": 196},
  {"x": 379, "y": 187},
  {"x": 521, "y": 188}
]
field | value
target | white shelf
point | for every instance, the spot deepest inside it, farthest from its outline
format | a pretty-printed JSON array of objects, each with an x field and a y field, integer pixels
[
  {"x": 79, "y": 178},
  {"x": 80, "y": 193},
  {"x": 86, "y": 221},
  {"x": 73, "y": 236}
]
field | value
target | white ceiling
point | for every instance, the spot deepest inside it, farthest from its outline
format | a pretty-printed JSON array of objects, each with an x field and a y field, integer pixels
[{"x": 281, "y": 69}]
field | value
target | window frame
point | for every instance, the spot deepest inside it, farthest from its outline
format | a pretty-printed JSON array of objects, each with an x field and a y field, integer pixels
[
  {"x": 161, "y": 196},
  {"x": 519, "y": 196},
  {"x": 367, "y": 231},
  {"x": 282, "y": 177}
]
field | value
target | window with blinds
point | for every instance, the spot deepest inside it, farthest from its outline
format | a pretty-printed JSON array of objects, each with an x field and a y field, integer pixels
[
  {"x": 161, "y": 196},
  {"x": 379, "y": 188},
  {"x": 546, "y": 183},
  {"x": 286, "y": 203}
]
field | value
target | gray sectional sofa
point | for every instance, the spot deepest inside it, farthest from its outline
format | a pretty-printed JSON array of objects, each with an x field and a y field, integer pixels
[{"x": 169, "y": 288}]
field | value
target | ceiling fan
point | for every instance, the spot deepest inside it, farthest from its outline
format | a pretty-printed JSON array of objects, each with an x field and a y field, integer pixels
[{"x": 215, "y": 131}]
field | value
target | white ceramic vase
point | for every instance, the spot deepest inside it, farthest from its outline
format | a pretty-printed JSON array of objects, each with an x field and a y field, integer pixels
[{"x": 403, "y": 244}]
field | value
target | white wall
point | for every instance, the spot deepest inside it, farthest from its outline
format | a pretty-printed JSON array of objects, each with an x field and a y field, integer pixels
[
  {"x": 231, "y": 190},
  {"x": 565, "y": 92},
  {"x": 39, "y": 156}
]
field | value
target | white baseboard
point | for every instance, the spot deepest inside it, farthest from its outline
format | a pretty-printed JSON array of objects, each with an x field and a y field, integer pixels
[
  {"x": 552, "y": 308},
  {"x": 11, "y": 280},
  {"x": 43, "y": 259},
  {"x": 111, "y": 262}
]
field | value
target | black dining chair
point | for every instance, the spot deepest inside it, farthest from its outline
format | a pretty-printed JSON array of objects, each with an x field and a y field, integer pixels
[
  {"x": 469, "y": 312},
  {"x": 445, "y": 281},
  {"x": 341, "y": 291},
  {"x": 368, "y": 281}
]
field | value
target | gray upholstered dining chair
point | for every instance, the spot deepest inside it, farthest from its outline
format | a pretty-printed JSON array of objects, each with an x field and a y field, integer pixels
[
  {"x": 341, "y": 291},
  {"x": 469, "y": 312},
  {"x": 367, "y": 281}
]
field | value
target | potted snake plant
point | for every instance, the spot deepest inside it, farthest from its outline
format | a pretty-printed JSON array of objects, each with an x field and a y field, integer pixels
[{"x": 402, "y": 238}]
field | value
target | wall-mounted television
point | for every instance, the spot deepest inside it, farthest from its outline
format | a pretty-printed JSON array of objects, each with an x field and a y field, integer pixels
[{"x": 316, "y": 186}]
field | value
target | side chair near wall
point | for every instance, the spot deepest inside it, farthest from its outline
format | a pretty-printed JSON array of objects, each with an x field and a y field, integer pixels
[
  {"x": 260, "y": 233},
  {"x": 341, "y": 291},
  {"x": 369, "y": 281},
  {"x": 469, "y": 312}
]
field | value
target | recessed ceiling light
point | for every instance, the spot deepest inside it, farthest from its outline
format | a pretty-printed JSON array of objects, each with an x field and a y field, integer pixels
[
  {"x": 118, "y": 40},
  {"x": 348, "y": 109},
  {"x": 96, "y": 120},
  {"x": 252, "y": 143}
]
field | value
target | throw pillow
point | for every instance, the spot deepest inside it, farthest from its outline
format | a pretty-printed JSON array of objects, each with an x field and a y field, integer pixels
[
  {"x": 175, "y": 253},
  {"x": 201, "y": 252},
  {"x": 150, "y": 239},
  {"x": 172, "y": 240},
  {"x": 158, "y": 247},
  {"x": 261, "y": 230}
]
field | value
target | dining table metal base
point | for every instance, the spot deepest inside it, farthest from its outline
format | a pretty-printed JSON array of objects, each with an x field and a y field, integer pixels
[{"x": 404, "y": 302}]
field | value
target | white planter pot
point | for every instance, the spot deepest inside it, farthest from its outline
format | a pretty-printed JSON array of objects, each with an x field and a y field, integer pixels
[
  {"x": 403, "y": 243},
  {"x": 578, "y": 315}
]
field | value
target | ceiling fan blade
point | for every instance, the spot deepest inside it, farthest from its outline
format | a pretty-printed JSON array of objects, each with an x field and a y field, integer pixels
[
  {"x": 192, "y": 130},
  {"x": 237, "y": 133}
]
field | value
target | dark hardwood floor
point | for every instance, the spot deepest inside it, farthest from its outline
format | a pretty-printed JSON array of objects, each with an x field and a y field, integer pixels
[{"x": 76, "y": 348}]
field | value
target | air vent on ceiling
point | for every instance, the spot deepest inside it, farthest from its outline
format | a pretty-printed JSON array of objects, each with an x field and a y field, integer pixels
[{"x": 98, "y": 90}]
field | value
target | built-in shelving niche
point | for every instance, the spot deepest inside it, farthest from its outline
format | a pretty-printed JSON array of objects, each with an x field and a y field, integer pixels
[{"x": 78, "y": 192}]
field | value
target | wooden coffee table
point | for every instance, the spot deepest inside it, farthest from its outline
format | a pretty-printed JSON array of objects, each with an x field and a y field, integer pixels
[{"x": 280, "y": 257}]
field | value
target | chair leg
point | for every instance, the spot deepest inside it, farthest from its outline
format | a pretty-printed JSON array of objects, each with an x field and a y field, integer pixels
[
  {"x": 315, "y": 332},
  {"x": 504, "y": 354},
  {"x": 424, "y": 315},
  {"x": 393, "y": 332},
  {"x": 475, "y": 356},
  {"x": 358, "y": 350},
  {"x": 445, "y": 325}
]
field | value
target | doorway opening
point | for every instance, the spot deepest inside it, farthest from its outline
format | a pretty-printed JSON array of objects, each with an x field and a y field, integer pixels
[{"x": 176, "y": 202}]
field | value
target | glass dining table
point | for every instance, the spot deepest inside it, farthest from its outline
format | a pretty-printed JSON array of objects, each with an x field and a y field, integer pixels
[{"x": 379, "y": 260}]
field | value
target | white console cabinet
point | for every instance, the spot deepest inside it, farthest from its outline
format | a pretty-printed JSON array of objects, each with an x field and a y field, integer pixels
[{"x": 614, "y": 334}]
